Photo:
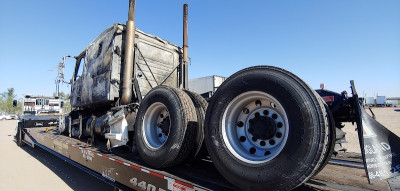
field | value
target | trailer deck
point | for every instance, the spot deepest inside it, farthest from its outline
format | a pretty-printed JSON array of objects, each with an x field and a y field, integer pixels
[
  {"x": 344, "y": 172},
  {"x": 122, "y": 173}
]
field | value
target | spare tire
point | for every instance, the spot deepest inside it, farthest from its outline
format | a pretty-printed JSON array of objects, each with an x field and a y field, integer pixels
[
  {"x": 265, "y": 129},
  {"x": 165, "y": 127}
]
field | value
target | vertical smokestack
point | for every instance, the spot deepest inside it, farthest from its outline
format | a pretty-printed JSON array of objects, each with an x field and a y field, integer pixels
[
  {"x": 185, "y": 46},
  {"x": 127, "y": 70}
]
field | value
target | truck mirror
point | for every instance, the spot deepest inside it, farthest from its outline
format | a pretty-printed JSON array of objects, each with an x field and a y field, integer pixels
[
  {"x": 62, "y": 104},
  {"x": 15, "y": 102}
]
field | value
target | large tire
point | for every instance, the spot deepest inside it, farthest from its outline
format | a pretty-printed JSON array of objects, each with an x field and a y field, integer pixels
[
  {"x": 331, "y": 138},
  {"x": 168, "y": 112},
  {"x": 286, "y": 153},
  {"x": 200, "y": 151},
  {"x": 19, "y": 136}
]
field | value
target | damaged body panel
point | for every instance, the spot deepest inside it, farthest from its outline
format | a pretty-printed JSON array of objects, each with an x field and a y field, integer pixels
[{"x": 155, "y": 63}]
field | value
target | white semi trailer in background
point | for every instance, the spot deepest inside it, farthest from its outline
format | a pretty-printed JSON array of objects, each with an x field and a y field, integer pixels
[
  {"x": 370, "y": 101},
  {"x": 206, "y": 86},
  {"x": 381, "y": 101}
]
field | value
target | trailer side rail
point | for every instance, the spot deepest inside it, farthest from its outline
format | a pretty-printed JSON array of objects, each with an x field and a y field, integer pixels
[{"x": 113, "y": 169}]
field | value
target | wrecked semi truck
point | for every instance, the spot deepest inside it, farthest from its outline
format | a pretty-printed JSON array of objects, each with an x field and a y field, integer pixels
[{"x": 264, "y": 128}]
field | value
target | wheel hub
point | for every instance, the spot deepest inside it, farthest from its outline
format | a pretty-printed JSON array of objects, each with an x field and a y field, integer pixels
[
  {"x": 262, "y": 127},
  {"x": 156, "y": 125},
  {"x": 164, "y": 126},
  {"x": 255, "y": 127}
]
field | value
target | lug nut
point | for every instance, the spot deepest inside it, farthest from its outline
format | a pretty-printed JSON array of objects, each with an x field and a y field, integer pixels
[
  {"x": 262, "y": 143},
  {"x": 240, "y": 124},
  {"x": 242, "y": 139},
  {"x": 274, "y": 116},
  {"x": 254, "y": 139},
  {"x": 267, "y": 153},
  {"x": 265, "y": 112},
  {"x": 252, "y": 150},
  {"x": 272, "y": 142},
  {"x": 246, "y": 111},
  {"x": 279, "y": 124},
  {"x": 278, "y": 135},
  {"x": 161, "y": 116}
]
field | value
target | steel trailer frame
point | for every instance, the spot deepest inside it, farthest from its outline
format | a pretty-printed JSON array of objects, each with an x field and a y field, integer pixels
[{"x": 113, "y": 169}]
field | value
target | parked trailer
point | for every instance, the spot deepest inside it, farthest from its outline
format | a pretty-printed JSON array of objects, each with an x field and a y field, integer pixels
[
  {"x": 206, "y": 85},
  {"x": 392, "y": 102},
  {"x": 381, "y": 101},
  {"x": 263, "y": 129},
  {"x": 370, "y": 101}
]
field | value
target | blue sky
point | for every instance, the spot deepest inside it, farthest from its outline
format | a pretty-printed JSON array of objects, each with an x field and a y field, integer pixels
[{"x": 320, "y": 41}]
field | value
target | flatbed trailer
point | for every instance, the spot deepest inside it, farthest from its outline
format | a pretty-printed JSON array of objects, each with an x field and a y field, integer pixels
[
  {"x": 263, "y": 129},
  {"x": 115, "y": 169},
  {"x": 343, "y": 172}
]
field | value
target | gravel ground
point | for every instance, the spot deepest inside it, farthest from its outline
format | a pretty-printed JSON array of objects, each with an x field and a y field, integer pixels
[{"x": 387, "y": 116}]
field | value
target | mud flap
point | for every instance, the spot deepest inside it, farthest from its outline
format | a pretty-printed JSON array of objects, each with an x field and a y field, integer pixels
[{"x": 380, "y": 147}]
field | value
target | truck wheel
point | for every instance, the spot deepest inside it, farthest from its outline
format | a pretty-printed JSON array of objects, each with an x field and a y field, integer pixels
[
  {"x": 331, "y": 138},
  {"x": 265, "y": 129},
  {"x": 19, "y": 136},
  {"x": 166, "y": 127},
  {"x": 200, "y": 151}
]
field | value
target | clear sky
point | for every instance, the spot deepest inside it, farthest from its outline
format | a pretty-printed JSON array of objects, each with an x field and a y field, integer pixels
[{"x": 320, "y": 41}]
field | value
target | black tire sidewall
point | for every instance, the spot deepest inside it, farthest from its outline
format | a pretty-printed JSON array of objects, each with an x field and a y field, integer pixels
[
  {"x": 19, "y": 136},
  {"x": 299, "y": 152},
  {"x": 167, "y": 153},
  {"x": 201, "y": 106}
]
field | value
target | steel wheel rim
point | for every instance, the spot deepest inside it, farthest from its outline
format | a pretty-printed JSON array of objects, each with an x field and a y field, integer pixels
[
  {"x": 153, "y": 134},
  {"x": 241, "y": 115}
]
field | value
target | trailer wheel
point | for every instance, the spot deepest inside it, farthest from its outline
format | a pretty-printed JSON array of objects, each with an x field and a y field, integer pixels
[
  {"x": 166, "y": 127},
  {"x": 19, "y": 136},
  {"x": 265, "y": 129},
  {"x": 200, "y": 151}
]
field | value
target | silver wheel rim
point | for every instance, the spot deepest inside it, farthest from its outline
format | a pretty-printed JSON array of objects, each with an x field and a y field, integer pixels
[
  {"x": 155, "y": 119},
  {"x": 248, "y": 127}
]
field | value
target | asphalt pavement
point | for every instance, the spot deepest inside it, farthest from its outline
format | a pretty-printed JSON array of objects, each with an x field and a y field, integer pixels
[{"x": 32, "y": 169}]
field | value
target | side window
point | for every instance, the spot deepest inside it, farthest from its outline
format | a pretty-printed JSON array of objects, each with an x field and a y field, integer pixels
[
  {"x": 79, "y": 71},
  {"x": 99, "y": 50}
]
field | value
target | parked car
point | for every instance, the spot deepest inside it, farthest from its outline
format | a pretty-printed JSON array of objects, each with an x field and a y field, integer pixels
[
  {"x": 4, "y": 117},
  {"x": 14, "y": 116}
]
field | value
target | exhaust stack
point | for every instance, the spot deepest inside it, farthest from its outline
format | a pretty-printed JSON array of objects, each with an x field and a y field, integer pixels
[
  {"x": 127, "y": 68},
  {"x": 184, "y": 68}
]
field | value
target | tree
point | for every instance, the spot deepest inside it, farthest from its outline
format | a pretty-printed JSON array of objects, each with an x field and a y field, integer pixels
[
  {"x": 65, "y": 98},
  {"x": 62, "y": 95},
  {"x": 6, "y": 101}
]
